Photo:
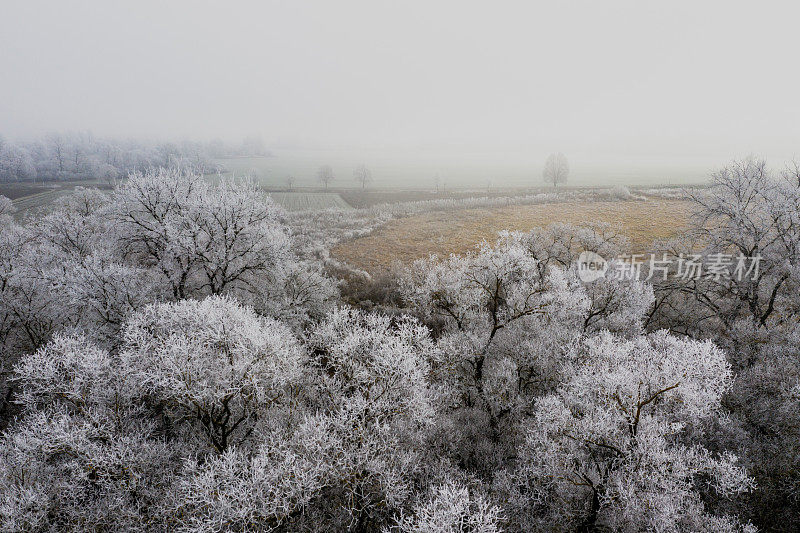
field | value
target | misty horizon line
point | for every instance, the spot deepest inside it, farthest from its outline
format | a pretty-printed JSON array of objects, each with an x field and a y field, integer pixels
[{"x": 445, "y": 147}]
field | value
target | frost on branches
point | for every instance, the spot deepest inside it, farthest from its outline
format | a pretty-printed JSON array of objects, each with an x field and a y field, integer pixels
[
  {"x": 214, "y": 363},
  {"x": 606, "y": 450},
  {"x": 83, "y": 455},
  {"x": 451, "y": 507},
  {"x": 175, "y": 360},
  {"x": 509, "y": 316},
  {"x": 349, "y": 461}
]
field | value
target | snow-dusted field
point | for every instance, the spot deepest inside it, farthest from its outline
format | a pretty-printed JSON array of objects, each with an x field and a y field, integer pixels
[{"x": 305, "y": 201}]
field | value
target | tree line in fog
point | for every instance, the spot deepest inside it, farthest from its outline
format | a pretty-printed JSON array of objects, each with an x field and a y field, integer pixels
[{"x": 82, "y": 156}]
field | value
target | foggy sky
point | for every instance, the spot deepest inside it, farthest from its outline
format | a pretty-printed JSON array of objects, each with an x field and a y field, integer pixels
[{"x": 668, "y": 79}]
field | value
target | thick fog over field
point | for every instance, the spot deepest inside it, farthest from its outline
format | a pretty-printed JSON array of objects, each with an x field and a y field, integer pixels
[{"x": 630, "y": 91}]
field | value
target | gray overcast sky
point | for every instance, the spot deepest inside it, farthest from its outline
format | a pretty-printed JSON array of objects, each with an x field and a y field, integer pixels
[{"x": 664, "y": 79}]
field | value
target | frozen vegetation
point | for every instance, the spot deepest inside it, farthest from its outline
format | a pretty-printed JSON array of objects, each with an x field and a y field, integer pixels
[{"x": 179, "y": 355}]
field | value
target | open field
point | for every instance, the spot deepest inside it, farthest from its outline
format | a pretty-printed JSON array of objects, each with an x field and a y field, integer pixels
[
  {"x": 300, "y": 201},
  {"x": 443, "y": 233},
  {"x": 40, "y": 199},
  {"x": 373, "y": 197},
  {"x": 28, "y": 196},
  {"x": 20, "y": 190}
]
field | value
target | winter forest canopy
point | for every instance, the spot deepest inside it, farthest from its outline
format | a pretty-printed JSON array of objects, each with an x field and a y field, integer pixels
[
  {"x": 399, "y": 267},
  {"x": 181, "y": 355}
]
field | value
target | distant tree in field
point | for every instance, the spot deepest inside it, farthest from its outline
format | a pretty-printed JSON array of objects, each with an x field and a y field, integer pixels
[
  {"x": 556, "y": 169},
  {"x": 290, "y": 182},
  {"x": 363, "y": 175},
  {"x": 325, "y": 175},
  {"x": 108, "y": 174}
]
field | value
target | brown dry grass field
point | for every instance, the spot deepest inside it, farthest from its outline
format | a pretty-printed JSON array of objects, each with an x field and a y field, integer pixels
[{"x": 459, "y": 231}]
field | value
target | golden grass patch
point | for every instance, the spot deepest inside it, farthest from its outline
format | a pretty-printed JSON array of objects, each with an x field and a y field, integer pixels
[{"x": 458, "y": 231}]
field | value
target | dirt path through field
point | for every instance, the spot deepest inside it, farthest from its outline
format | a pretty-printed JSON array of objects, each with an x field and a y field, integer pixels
[{"x": 459, "y": 231}]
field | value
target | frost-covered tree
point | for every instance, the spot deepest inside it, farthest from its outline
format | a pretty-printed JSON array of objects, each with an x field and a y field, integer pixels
[
  {"x": 484, "y": 295},
  {"x": 325, "y": 175},
  {"x": 508, "y": 313},
  {"x": 267, "y": 490},
  {"x": 213, "y": 363},
  {"x": 94, "y": 259},
  {"x": 363, "y": 176},
  {"x": 77, "y": 224},
  {"x": 451, "y": 508},
  {"x": 306, "y": 293},
  {"x": 372, "y": 356},
  {"x": 223, "y": 239},
  {"x": 618, "y": 305},
  {"x": 30, "y": 308},
  {"x": 77, "y": 473},
  {"x": 241, "y": 239},
  {"x": 103, "y": 292},
  {"x": 40, "y": 261},
  {"x": 608, "y": 449},
  {"x": 556, "y": 169},
  {"x": 352, "y": 460},
  {"x": 746, "y": 213},
  {"x": 16, "y": 163},
  {"x": 71, "y": 252},
  {"x": 155, "y": 225},
  {"x": 374, "y": 388},
  {"x": 82, "y": 156},
  {"x": 69, "y": 372},
  {"x": 503, "y": 326},
  {"x": 82, "y": 456},
  {"x": 7, "y": 209},
  {"x": 28, "y": 313}
]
